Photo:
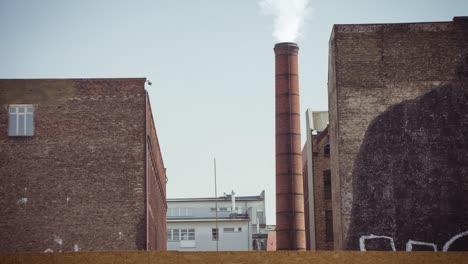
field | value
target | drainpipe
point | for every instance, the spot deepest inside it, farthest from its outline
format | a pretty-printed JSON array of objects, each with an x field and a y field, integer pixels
[{"x": 146, "y": 170}]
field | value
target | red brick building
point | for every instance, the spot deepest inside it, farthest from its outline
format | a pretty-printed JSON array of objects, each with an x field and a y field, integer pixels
[
  {"x": 317, "y": 183},
  {"x": 80, "y": 166}
]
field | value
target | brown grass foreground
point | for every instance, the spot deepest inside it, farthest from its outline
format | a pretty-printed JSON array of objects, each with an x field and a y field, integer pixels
[{"x": 319, "y": 257}]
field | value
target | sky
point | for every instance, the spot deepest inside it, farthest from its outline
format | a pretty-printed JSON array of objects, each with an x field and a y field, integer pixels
[{"x": 211, "y": 64}]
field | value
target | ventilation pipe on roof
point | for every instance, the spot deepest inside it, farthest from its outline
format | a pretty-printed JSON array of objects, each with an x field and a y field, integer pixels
[{"x": 233, "y": 200}]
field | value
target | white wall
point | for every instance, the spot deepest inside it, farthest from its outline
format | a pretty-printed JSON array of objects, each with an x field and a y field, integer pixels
[{"x": 232, "y": 241}]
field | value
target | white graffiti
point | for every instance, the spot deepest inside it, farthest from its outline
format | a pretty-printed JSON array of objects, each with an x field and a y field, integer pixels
[
  {"x": 58, "y": 240},
  {"x": 410, "y": 243},
  {"x": 22, "y": 201},
  {"x": 362, "y": 240},
  {"x": 450, "y": 242},
  {"x": 76, "y": 248}
]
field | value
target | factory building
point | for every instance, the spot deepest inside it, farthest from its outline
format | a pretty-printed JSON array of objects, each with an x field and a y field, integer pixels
[
  {"x": 226, "y": 223},
  {"x": 80, "y": 166},
  {"x": 398, "y": 104},
  {"x": 317, "y": 182}
]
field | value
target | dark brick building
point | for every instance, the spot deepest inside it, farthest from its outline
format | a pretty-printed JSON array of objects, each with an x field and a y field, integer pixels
[
  {"x": 80, "y": 166},
  {"x": 317, "y": 183},
  {"x": 398, "y": 102}
]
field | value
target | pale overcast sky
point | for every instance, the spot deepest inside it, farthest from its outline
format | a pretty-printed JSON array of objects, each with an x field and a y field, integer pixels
[{"x": 212, "y": 68}]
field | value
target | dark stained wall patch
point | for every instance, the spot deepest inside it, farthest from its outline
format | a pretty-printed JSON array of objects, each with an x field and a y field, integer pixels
[{"x": 410, "y": 179}]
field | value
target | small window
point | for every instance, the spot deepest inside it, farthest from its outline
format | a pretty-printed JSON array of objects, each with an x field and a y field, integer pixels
[
  {"x": 327, "y": 192},
  {"x": 326, "y": 149},
  {"x": 20, "y": 120},
  {"x": 328, "y": 226},
  {"x": 232, "y": 229},
  {"x": 214, "y": 233}
]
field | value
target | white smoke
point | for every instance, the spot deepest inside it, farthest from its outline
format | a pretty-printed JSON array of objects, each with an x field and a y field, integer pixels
[{"x": 289, "y": 17}]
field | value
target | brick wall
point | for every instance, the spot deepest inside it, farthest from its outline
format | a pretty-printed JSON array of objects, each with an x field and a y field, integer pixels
[
  {"x": 321, "y": 164},
  {"x": 79, "y": 182},
  {"x": 371, "y": 69},
  {"x": 156, "y": 188}
]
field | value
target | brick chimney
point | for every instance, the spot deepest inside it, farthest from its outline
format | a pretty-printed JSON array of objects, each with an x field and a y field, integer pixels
[{"x": 290, "y": 224}]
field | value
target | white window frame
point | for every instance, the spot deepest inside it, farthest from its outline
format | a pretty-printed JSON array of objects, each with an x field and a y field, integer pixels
[
  {"x": 171, "y": 235},
  {"x": 180, "y": 211},
  {"x": 187, "y": 234},
  {"x": 16, "y": 114}
]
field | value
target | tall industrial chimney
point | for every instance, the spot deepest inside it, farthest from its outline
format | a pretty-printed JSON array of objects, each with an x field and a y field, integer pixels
[{"x": 290, "y": 223}]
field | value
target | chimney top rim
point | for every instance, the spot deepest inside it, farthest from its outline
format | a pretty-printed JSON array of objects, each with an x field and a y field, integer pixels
[{"x": 286, "y": 44}]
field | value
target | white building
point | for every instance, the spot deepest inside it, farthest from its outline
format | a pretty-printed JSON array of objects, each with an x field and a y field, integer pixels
[{"x": 238, "y": 225}]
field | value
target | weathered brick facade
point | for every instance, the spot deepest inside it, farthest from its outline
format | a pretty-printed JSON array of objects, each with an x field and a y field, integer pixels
[
  {"x": 384, "y": 170},
  {"x": 322, "y": 204},
  {"x": 79, "y": 183}
]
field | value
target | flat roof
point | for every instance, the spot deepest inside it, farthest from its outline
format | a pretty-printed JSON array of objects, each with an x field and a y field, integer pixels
[{"x": 206, "y": 199}]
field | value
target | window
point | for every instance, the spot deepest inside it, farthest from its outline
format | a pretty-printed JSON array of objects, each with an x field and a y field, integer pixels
[
  {"x": 221, "y": 209},
  {"x": 232, "y": 229},
  {"x": 260, "y": 217},
  {"x": 328, "y": 225},
  {"x": 326, "y": 149},
  {"x": 20, "y": 120},
  {"x": 327, "y": 192},
  {"x": 173, "y": 235},
  {"x": 187, "y": 234},
  {"x": 179, "y": 212},
  {"x": 180, "y": 234},
  {"x": 214, "y": 233}
]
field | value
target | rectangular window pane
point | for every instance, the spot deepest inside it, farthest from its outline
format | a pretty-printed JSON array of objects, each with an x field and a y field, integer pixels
[
  {"x": 29, "y": 125},
  {"x": 29, "y": 109},
  {"x": 175, "y": 234},
  {"x": 21, "y": 109},
  {"x": 229, "y": 229},
  {"x": 214, "y": 234},
  {"x": 21, "y": 128},
  {"x": 328, "y": 225},
  {"x": 183, "y": 234},
  {"x": 12, "y": 125},
  {"x": 192, "y": 234},
  {"x": 169, "y": 233},
  {"x": 327, "y": 185}
]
